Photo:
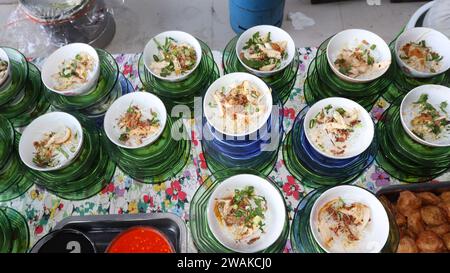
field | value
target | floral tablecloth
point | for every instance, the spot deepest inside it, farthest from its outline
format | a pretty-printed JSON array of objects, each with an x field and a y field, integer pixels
[{"x": 123, "y": 195}]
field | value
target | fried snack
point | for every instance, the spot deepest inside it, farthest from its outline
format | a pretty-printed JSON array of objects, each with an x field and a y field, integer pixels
[
  {"x": 428, "y": 198},
  {"x": 429, "y": 242},
  {"x": 446, "y": 208},
  {"x": 407, "y": 245},
  {"x": 445, "y": 196},
  {"x": 446, "y": 239},
  {"x": 433, "y": 216},
  {"x": 415, "y": 223},
  {"x": 408, "y": 202},
  {"x": 400, "y": 219},
  {"x": 440, "y": 230}
]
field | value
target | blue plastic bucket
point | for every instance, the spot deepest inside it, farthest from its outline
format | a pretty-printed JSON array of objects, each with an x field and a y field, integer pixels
[{"x": 245, "y": 14}]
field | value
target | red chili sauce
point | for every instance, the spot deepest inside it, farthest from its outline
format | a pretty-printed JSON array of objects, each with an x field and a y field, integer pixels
[{"x": 140, "y": 240}]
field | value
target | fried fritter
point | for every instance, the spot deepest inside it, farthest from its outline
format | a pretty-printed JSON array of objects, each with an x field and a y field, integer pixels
[
  {"x": 428, "y": 198},
  {"x": 429, "y": 242},
  {"x": 408, "y": 202},
  {"x": 433, "y": 216},
  {"x": 407, "y": 245}
]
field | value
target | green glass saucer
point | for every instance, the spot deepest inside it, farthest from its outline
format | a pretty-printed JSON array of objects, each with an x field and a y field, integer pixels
[
  {"x": 402, "y": 157},
  {"x": 19, "y": 75},
  {"x": 6, "y": 140},
  {"x": 155, "y": 163},
  {"x": 86, "y": 175},
  {"x": 316, "y": 89},
  {"x": 202, "y": 235},
  {"x": 5, "y": 231},
  {"x": 20, "y": 234},
  {"x": 109, "y": 75},
  {"x": 402, "y": 83},
  {"x": 197, "y": 81},
  {"x": 26, "y": 105},
  {"x": 281, "y": 83},
  {"x": 344, "y": 88},
  {"x": 302, "y": 238}
]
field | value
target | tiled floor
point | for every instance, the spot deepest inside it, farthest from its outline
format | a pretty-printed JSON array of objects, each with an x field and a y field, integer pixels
[{"x": 139, "y": 20}]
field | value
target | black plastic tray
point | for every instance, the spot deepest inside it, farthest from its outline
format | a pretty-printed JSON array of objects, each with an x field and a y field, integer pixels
[
  {"x": 392, "y": 192},
  {"x": 101, "y": 229}
]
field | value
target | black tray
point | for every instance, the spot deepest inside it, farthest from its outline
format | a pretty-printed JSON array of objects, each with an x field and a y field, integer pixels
[
  {"x": 101, "y": 229},
  {"x": 392, "y": 192}
]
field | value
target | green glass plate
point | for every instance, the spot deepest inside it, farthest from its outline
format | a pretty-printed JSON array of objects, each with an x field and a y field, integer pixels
[
  {"x": 20, "y": 234},
  {"x": 11, "y": 172},
  {"x": 84, "y": 163},
  {"x": 109, "y": 75},
  {"x": 154, "y": 163},
  {"x": 19, "y": 75},
  {"x": 5, "y": 231},
  {"x": 402, "y": 157},
  {"x": 281, "y": 83},
  {"x": 189, "y": 100},
  {"x": 202, "y": 235},
  {"x": 6, "y": 140},
  {"x": 402, "y": 83},
  {"x": 315, "y": 89},
  {"x": 197, "y": 81},
  {"x": 17, "y": 189},
  {"x": 27, "y": 104},
  {"x": 302, "y": 238},
  {"x": 344, "y": 88},
  {"x": 86, "y": 175}
]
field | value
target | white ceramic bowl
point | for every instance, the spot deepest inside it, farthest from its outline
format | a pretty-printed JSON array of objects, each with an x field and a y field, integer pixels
[
  {"x": 230, "y": 79},
  {"x": 52, "y": 64},
  {"x": 4, "y": 57},
  {"x": 275, "y": 215},
  {"x": 360, "y": 139},
  {"x": 433, "y": 38},
  {"x": 276, "y": 34},
  {"x": 181, "y": 37},
  {"x": 145, "y": 101},
  {"x": 436, "y": 95},
  {"x": 51, "y": 122},
  {"x": 377, "y": 231},
  {"x": 351, "y": 38}
]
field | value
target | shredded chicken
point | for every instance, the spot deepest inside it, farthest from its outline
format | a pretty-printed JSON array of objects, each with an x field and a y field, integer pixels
[
  {"x": 135, "y": 127},
  {"x": 332, "y": 127},
  {"x": 342, "y": 225},
  {"x": 262, "y": 53},
  {"x": 240, "y": 107},
  {"x": 74, "y": 72}
]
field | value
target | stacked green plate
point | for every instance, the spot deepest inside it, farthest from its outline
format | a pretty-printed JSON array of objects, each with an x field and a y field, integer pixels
[
  {"x": 96, "y": 102},
  {"x": 401, "y": 156},
  {"x": 18, "y": 75},
  {"x": 402, "y": 83},
  {"x": 22, "y": 98},
  {"x": 282, "y": 83},
  {"x": 87, "y": 175},
  {"x": 154, "y": 163},
  {"x": 204, "y": 239},
  {"x": 316, "y": 171},
  {"x": 14, "y": 232},
  {"x": 185, "y": 91},
  {"x": 302, "y": 238},
  {"x": 13, "y": 182},
  {"x": 29, "y": 103},
  {"x": 322, "y": 82}
]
